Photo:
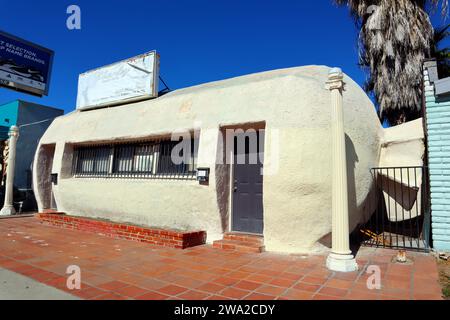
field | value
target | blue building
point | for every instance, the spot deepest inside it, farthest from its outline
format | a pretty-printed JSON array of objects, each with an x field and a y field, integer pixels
[
  {"x": 32, "y": 120},
  {"x": 437, "y": 103}
]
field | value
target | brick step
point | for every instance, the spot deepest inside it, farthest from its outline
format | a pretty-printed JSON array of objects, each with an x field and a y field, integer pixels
[
  {"x": 52, "y": 211},
  {"x": 240, "y": 246},
  {"x": 163, "y": 237},
  {"x": 250, "y": 238}
]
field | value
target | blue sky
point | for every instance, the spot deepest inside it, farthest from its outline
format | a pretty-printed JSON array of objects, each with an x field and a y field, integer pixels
[{"x": 198, "y": 40}]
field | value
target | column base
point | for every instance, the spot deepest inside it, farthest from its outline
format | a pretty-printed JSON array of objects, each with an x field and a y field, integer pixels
[
  {"x": 7, "y": 211},
  {"x": 341, "y": 262}
]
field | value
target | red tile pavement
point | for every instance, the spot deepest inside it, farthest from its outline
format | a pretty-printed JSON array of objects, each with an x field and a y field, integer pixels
[{"x": 121, "y": 269}]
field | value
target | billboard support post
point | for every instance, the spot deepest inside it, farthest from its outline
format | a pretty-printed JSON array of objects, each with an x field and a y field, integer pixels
[{"x": 8, "y": 207}]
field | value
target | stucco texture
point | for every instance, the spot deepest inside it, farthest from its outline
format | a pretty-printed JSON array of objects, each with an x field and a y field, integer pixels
[
  {"x": 402, "y": 146},
  {"x": 294, "y": 106}
]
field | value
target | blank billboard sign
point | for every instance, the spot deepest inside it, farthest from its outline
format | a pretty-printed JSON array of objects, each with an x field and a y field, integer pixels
[{"x": 126, "y": 81}]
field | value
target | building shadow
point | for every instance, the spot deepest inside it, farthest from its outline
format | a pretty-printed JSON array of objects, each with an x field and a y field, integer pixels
[
  {"x": 353, "y": 208},
  {"x": 354, "y": 212}
]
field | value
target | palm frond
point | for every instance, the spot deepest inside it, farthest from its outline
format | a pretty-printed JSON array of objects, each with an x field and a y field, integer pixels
[{"x": 394, "y": 39}]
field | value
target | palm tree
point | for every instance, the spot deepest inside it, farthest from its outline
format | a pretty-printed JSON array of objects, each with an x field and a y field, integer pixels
[
  {"x": 442, "y": 55},
  {"x": 394, "y": 39}
]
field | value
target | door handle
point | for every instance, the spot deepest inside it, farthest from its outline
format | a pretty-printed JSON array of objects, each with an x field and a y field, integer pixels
[{"x": 235, "y": 189}]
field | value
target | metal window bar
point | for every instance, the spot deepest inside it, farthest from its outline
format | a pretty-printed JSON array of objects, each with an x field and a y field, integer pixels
[
  {"x": 401, "y": 218},
  {"x": 134, "y": 160}
]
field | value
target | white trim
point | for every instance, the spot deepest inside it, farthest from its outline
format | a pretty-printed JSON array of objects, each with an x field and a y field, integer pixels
[{"x": 231, "y": 177}]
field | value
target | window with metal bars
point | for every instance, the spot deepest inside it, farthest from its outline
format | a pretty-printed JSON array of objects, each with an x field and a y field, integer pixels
[
  {"x": 162, "y": 159},
  {"x": 92, "y": 160}
]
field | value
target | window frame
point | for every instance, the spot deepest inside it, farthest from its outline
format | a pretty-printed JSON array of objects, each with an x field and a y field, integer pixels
[{"x": 137, "y": 165}]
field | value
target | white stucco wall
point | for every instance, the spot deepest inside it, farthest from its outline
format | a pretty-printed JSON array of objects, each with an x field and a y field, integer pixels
[
  {"x": 295, "y": 106},
  {"x": 402, "y": 146}
]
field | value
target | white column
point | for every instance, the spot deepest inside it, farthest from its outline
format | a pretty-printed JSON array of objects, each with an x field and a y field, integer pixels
[
  {"x": 8, "y": 208},
  {"x": 340, "y": 258}
]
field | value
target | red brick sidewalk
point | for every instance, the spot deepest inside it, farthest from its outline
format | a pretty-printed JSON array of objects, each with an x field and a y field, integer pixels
[{"x": 120, "y": 269}]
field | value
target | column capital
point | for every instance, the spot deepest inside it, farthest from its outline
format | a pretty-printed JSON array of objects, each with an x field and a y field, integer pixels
[
  {"x": 335, "y": 79},
  {"x": 13, "y": 131}
]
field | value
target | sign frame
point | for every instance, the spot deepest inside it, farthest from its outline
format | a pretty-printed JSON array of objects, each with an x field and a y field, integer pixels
[
  {"x": 24, "y": 88},
  {"x": 155, "y": 83}
]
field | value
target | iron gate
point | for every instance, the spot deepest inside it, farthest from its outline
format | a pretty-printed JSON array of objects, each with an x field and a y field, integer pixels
[{"x": 399, "y": 216}]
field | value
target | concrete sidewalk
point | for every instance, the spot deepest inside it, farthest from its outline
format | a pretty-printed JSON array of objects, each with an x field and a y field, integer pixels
[{"x": 14, "y": 286}]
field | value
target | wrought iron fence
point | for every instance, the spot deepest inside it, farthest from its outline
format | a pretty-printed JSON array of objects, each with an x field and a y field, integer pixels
[{"x": 401, "y": 219}]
